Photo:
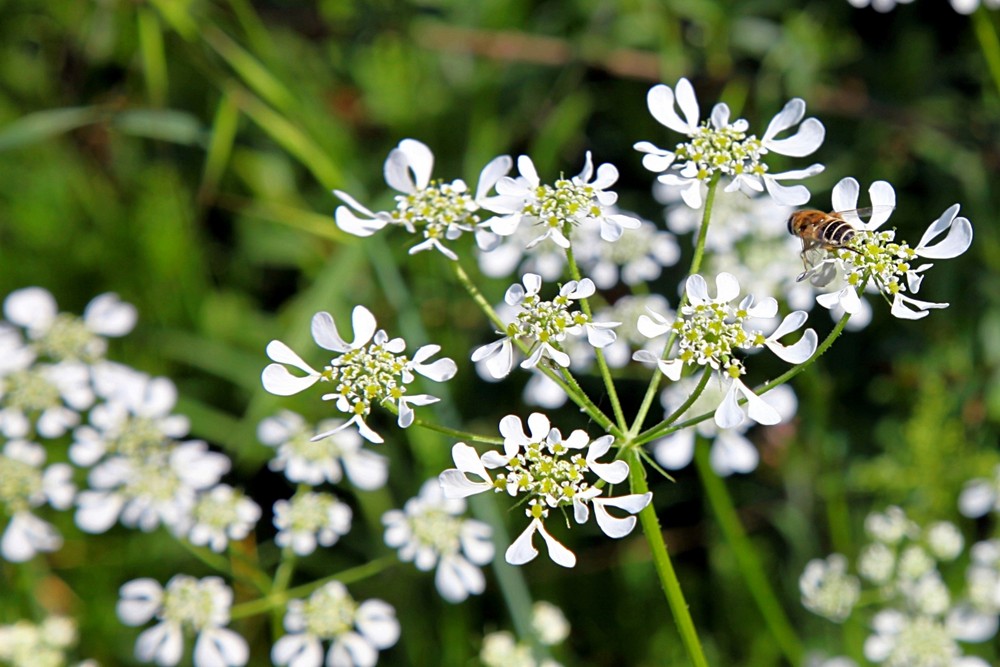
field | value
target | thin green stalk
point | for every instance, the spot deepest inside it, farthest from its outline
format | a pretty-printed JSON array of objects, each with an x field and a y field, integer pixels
[
  {"x": 277, "y": 600},
  {"x": 746, "y": 556},
  {"x": 465, "y": 436},
  {"x": 602, "y": 363},
  {"x": 664, "y": 428},
  {"x": 699, "y": 254},
  {"x": 986, "y": 33},
  {"x": 664, "y": 567}
]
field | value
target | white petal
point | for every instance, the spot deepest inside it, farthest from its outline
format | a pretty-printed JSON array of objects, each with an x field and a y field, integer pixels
[
  {"x": 298, "y": 650},
  {"x": 33, "y": 308},
  {"x": 676, "y": 450},
  {"x": 791, "y": 114},
  {"x": 798, "y": 352},
  {"x": 731, "y": 452},
  {"x": 108, "y": 315},
  {"x": 720, "y": 115},
  {"x": 795, "y": 195},
  {"x": 757, "y": 408},
  {"x": 521, "y": 550},
  {"x": 220, "y": 647},
  {"x": 688, "y": 102},
  {"x": 977, "y": 498},
  {"x": 281, "y": 353},
  {"x": 355, "y": 225},
  {"x": 496, "y": 169},
  {"x": 278, "y": 381},
  {"x": 614, "y": 526},
  {"x": 901, "y": 307},
  {"x": 727, "y": 287},
  {"x": 808, "y": 138},
  {"x": 140, "y": 599},
  {"x": 456, "y": 578},
  {"x": 958, "y": 240},
  {"x": 845, "y": 194},
  {"x": 162, "y": 643},
  {"x": 660, "y": 100},
  {"x": 729, "y": 414},
  {"x": 600, "y": 335},
  {"x": 697, "y": 289}
]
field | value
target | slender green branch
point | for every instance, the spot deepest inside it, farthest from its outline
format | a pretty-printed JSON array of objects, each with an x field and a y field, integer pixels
[
  {"x": 699, "y": 254},
  {"x": 465, "y": 436},
  {"x": 279, "y": 599},
  {"x": 664, "y": 567},
  {"x": 986, "y": 33},
  {"x": 746, "y": 556},
  {"x": 665, "y": 428},
  {"x": 602, "y": 363}
]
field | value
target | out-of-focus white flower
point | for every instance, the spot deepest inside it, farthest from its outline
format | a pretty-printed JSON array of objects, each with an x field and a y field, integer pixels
[
  {"x": 430, "y": 532},
  {"x": 310, "y": 518},
  {"x": 26, "y": 644},
  {"x": 357, "y": 632},
  {"x": 891, "y": 526},
  {"x": 219, "y": 515},
  {"x": 439, "y": 211},
  {"x": 44, "y": 400},
  {"x": 310, "y": 461},
  {"x": 710, "y": 329},
  {"x": 902, "y": 640},
  {"x": 188, "y": 604},
  {"x": 66, "y": 337},
  {"x": 543, "y": 326},
  {"x": 980, "y": 496},
  {"x": 827, "y": 589},
  {"x": 880, "y": 5},
  {"x": 731, "y": 451},
  {"x": 370, "y": 369},
  {"x": 144, "y": 493},
  {"x": 26, "y": 484},
  {"x": 134, "y": 420},
  {"x": 557, "y": 209},
  {"x": 549, "y": 472},
  {"x": 969, "y": 6},
  {"x": 549, "y": 623},
  {"x": 719, "y": 146}
]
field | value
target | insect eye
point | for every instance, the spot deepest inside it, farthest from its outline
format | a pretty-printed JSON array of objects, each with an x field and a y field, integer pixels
[{"x": 791, "y": 229}]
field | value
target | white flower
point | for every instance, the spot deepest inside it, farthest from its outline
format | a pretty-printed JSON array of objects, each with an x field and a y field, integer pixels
[
  {"x": 721, "y": 146},
  {"x": 197, "y": 605},
  {"x": 431, "y": 532},
  {"x": 550, "y": 473},
  {"x": 26, "y": 644},
  {"x": 827, "y": 589},
  {"x": 45, "y": 398},
  {"x": 219, "y": 515},
  {"x": 61, "y": 336},
  {"x": 980, "y": 496},
  {"x": 144, "y": 493},
  {"x": 879, "y": 5},
  {"x": 310, "y": 518},
  {"x": 135, "y": 419},
  {"x": 710, "y": 329},
  {"x": 26, "y": 484},
  {"x": 902, "y": 640},
  {"x": 549, "y": 623},
  {"x": 370, "y": 361},
  {"x": 543, "y": 326},
  {"x": 440, "y": 211},
  {"x": 637, "y": 258},
  {"x": 310, "y": 461},
  {"x": 558, "y": 208},
  {"x": 968, "y": 6},
  {"x": 357, "y": 632},
  {"x": 874, "y": 257},
  {"x": 890, "y": 527},
  {"x": 731, "y": 452}
]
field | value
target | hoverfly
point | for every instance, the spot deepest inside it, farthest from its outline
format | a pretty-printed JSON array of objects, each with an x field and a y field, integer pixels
[{"x": 821, "y": 232}]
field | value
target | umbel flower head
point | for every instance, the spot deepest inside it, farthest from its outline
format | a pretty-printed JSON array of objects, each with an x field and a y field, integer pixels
[
  {"x": 719, "y": 146},
  {"x": 439, "y": 211},
  {"x": 185, "y": 604},
  {"x": 709, "y": 331},
  {"x": 26, "y": 484},
  {"x": 558, "y": 208},
  {"x": 356, "y": 632},
  {"x": 874, "y": 257},
  {"x": 543, "y": 326},
  {"x": 370, "y": 369},
  {"x": 550, "y": 473},
  {"x": 431, "y": 531}
]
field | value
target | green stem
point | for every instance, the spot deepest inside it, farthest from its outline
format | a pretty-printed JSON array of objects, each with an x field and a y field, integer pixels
[
  {"x": 986, "y": 33},
  {"x": 746, "y": 556},
  {"x": 699, "y": 254},
  {"x": 665, "y": 428},
  {"x": 465, "y": 436},
  {"x": 602, "y": 363},
  {"x": 279, "y": 599},
  {"x": 664, "y": 567}
]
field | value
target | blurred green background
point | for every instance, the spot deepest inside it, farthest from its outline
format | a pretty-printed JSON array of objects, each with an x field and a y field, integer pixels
[{"x": 182, "y": 153}]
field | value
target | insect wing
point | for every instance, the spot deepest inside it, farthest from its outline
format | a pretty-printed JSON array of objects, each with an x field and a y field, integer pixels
[{"x": 871, "y": 217}]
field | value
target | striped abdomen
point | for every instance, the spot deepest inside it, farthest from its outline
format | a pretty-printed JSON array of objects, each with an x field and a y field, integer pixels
[{"x": 837, "y": 233}]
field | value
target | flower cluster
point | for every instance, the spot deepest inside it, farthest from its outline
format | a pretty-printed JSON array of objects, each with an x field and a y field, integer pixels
[
  {"x": 549, "y": 472},
  {"x": 550, "y": 627},
  {"x": 874, "y": 257},
  {"x": 919, "y": 621},
  {"x": 960, "y": 6},
  {"x": 543, "y": 326},
  {"x": 430, "y": 532},
  {"x": 437, "y": 210},
  {"x": 721, "y": 147},
  {"x": 370, "y": 369},
  {"x": 583, "y": 200},
  {"x": 184, "y": 605},
  {"x": 356, "y": 632},
  {"x": 25, "y": 644},
  {"x": 710, "y": 330}
]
